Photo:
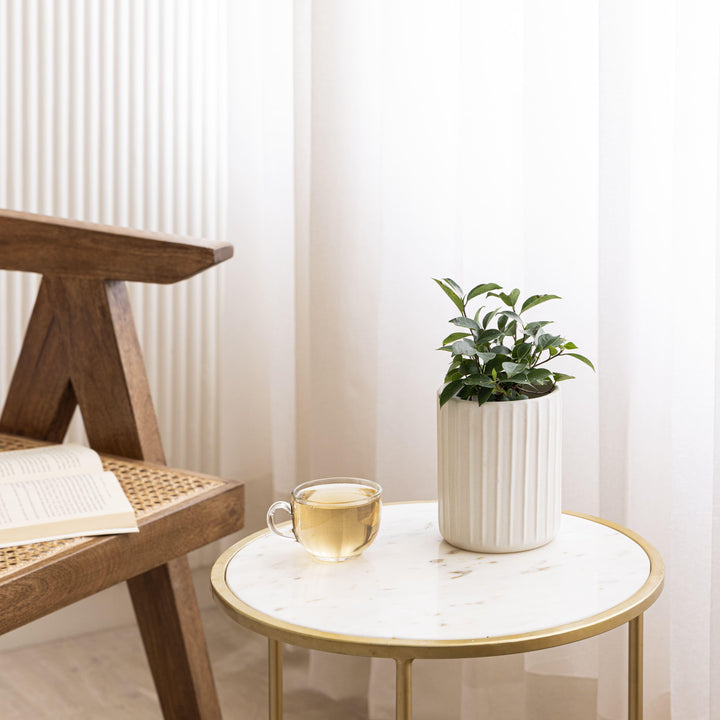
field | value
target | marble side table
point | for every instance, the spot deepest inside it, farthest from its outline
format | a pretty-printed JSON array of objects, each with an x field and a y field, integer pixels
[{"x": 411, "y": 595}]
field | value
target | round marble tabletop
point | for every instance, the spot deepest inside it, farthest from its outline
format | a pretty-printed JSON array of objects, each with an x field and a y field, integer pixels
[{"x": 411, "y": 594}]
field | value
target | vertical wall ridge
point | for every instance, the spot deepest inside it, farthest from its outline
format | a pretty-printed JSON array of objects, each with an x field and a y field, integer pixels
[{"x": 112, "y": 112}]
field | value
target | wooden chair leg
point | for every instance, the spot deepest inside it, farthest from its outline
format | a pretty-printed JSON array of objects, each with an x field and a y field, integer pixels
[
  {"x": 169, "y": 621},
  {"x": 81, "y": 347},
  {"x": 41, "y": 400}
]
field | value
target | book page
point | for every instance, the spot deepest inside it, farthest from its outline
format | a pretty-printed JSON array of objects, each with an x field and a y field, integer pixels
[
  {"x": 48, "y": 461},
  {"x": 62, "y": 506}
]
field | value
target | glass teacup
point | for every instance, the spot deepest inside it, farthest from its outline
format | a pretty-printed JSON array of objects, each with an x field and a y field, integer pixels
[{"x": 334, "y": 518}]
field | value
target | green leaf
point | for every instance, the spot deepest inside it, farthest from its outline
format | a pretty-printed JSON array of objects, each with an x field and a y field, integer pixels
[
  {"x": 446, "y": 348},
  {"x": 495, "y": 365},
  {"x": 502, "y": 321},
  {"x": 511, "y": 328},
  {"x": 511, "y": 314},
  {"x": 452, "y": 375},
  {"x": 481, "y": 289},
  {"x": 449, "y": 391},
  {"x": 477, "y": 313},
  {"x": 532, "y": 327},
  {"x": 538, "y": 375},
  {"x": 521, "y": 350},
  {"x": 511, "y": 369},
  {"x": 486, "y": 356},
  {"x": 463, "y": 347},
  {"x": 487, "y": 335},
  {"x": 515, "y": 394},
  {"x": 508, "y": 299},
  {"x": 545, "y": 340},
  {"x": 488, "y": 318},
  {"x": 481, "y": 380},
  {"x": 454, "y": 336},
  {"x": 466, "y": 323},
  {"x": 452, "y": 295},
  {"x": 500, "y": 350},
  {"x": 466, "y": 393},
  {"x": 454, "y": 286},
  {"x": 559, "y": 377},
  {"x": 582, "y": 358},
  {"x": 484, "y": 395},
  {"x": 570, "y": 345},
  {"x": 534, "y": 300},
  {"x": 520, "y": 379}
]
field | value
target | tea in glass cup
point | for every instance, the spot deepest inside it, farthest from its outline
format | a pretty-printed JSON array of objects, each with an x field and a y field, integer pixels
[{"x": 334, "y": 518}]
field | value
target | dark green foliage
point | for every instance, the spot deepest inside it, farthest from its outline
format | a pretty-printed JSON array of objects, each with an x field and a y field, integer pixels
[{"x": 498, "y": 357}]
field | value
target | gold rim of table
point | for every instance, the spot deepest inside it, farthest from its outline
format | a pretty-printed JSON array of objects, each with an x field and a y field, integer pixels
[{"x": 398, "y": 648}]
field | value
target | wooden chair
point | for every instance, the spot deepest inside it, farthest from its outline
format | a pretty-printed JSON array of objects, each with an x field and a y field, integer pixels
[{"x": 81, "y": 348}]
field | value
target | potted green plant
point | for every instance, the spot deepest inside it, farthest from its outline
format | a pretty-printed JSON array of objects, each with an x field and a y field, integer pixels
[{"x": 500, "y": 422}]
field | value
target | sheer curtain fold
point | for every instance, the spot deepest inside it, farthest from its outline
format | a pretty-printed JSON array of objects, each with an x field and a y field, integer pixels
[{"x": 559, "y": 147}]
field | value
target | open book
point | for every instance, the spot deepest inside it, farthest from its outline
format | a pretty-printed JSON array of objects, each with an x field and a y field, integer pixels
[{"x": 59, "y": 491}]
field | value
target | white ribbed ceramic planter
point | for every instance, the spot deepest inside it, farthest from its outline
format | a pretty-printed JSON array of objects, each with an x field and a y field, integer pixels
[{"x": 499, "y": 473}]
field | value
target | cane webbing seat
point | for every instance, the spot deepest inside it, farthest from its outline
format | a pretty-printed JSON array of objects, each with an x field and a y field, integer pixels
[
  {"x": 81, "y": 350},
  {"x": 150, "y": 488}
]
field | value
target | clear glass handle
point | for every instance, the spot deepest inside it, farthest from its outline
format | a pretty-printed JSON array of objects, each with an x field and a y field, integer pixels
[{"x": 280, "y": 505}]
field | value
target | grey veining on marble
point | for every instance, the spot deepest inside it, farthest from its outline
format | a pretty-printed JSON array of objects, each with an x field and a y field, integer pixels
[{"x": 411, "y": 584}]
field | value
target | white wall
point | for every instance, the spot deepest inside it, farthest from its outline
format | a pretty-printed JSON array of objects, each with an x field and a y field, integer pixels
[{"x": 115, "y": 111}]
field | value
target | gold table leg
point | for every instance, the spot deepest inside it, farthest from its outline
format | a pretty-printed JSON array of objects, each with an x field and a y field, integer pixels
[
  {"x": 403, "y": 689},
  {"x": 635, "y": 669},
  {"x": 275, "y": 679}
]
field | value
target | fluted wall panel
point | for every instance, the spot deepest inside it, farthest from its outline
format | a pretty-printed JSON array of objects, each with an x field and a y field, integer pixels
[{"x": 112, "y": 111}]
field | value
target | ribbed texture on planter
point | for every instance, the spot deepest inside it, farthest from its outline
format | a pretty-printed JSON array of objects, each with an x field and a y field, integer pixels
[{"x": 500, "y": 473}]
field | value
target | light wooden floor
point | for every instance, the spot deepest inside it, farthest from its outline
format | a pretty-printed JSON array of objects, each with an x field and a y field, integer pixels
[{"x": 104, "y": 676}]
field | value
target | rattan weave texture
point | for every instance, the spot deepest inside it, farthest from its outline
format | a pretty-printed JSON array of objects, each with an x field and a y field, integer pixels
[{"x": 149, "y": 490}]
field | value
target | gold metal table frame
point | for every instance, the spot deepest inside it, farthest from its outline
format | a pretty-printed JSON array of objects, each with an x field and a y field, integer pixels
[{"x": 404, "y": 652}]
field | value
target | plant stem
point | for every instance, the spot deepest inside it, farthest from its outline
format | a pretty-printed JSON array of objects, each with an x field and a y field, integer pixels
[
  {"x": 464, "y": 314},
  {"x": 549, "y": 358}
]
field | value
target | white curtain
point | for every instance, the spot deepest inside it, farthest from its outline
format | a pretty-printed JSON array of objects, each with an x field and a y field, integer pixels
[{"x": 565, "y": 147}]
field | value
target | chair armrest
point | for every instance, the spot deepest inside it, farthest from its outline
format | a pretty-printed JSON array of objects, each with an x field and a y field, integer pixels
[{"x": 54, "y": 246}]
